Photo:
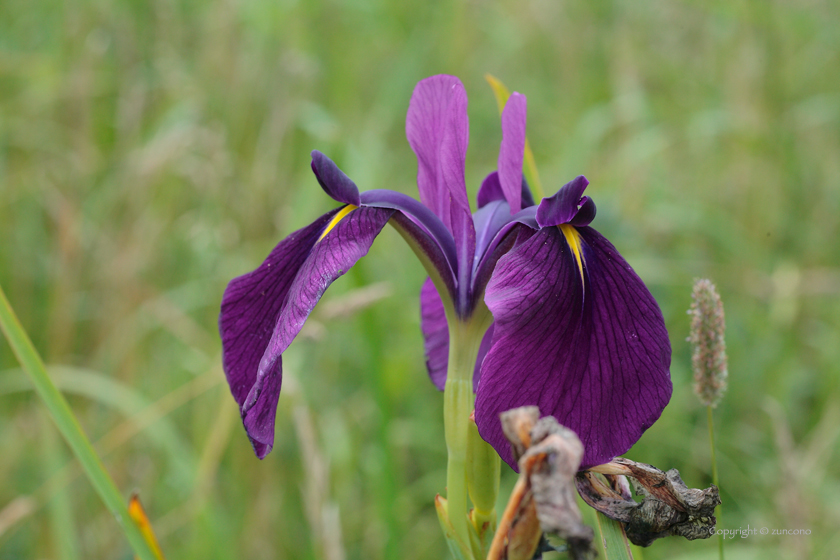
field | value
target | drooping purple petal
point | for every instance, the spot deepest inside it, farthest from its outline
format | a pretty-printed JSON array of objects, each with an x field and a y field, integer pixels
[
  {"x": 250, "y": 307},
  {"x": 330, "y": 258},
  {"x": 436, "y": 337},
  {"x": 512, "y": 150},
  {"x": 598, "y": 363},
  {"x": 563, "y": 206},
  {"x": 333, "y": 180},
  {"x": 423, "y": 217},
  {"x": 484, "y": 347},
  {"x": 437, "y": 129},
  {"x": 435, "y": 333}
]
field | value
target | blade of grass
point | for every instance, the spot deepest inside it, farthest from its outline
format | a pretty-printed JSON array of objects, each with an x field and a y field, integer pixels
[
  {"x": 69, "y": 427},
  {"x": 610, "y": 540},
  {"x": 120, "y": 397},
  {"x": 715, "y": 480},
  {"x": 613, "y": 538},
  {"x": 109, "y": 442},
  {"x": 60, "y": 508}
]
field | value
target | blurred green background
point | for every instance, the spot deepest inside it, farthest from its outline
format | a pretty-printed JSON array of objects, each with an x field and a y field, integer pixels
[{"x": 151, "y": 151}]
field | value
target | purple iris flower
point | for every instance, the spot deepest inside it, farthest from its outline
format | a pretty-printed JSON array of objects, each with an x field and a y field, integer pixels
[
  {"x": 264, "y": 310},
  {"x": 575, "y": 330}
]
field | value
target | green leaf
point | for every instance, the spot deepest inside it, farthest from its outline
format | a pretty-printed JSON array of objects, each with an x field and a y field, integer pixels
[
  {"x": 459, "y": 549},
  {"x": 69, "y": 427},
  {"x": 613, "y": 538}
]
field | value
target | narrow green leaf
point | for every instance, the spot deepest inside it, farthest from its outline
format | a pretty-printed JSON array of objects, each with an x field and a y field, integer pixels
[
  {"x": 69, "y": 427},
  {"x": 613, "y": 538},
  {"x": 60, "y": 509}
]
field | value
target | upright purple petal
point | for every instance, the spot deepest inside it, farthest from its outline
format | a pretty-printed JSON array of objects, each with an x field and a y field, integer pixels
[
  {"x": 512, "y": 150},
  {"x": 437, "y": 129},
  {"x": 330, "y": 258},
  {"x": 441, "y": 250},
  {"x": 435, "y": 333},
  {"x": 333, "y": 180},
  {"x": 563, "y": 206},
  {"x": 250, "y": 307},
  {"x": 488, "y": 221},
  {"x": 490, "y": 190},
  {"x": 598, "y": 363}
]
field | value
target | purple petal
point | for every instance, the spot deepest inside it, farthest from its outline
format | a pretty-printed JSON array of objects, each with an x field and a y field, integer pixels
[
  {"x": 437, "y": 129},
  {"x": 436, "y": 337},
  {"x": 333, "y": 180},
  {"x": 330, "y": 258},
  {"x": 527, "y": 197},
  {"x": 425, "y": 219},
  {"x": 490, "y": 190},
  {"x": 503, "y": 239},
  {"x": 250, "y": 307},
  {"x": 585, "y": 214},
  {"x": 598, "y": 363},
  {"x": 435, "y": 333},
  {"x": 512, "y": 150},
  {"x": 563, "y": 206},
  {"x": 488, "y": 221},
  {"x": 483, "y": 349}
]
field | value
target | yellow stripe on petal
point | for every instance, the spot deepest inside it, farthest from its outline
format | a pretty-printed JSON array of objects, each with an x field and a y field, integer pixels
[
  {"x": 337, "y": 218},
  {"x": 573, "y": 239}
]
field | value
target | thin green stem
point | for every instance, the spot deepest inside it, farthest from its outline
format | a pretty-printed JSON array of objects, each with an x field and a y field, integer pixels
[
  {"x": 59, "y": 505},
  {"x": 69, "y": 427},
  {"x": 464, "y": 341},
  {"x": 457, "y": 397},
  {"x": 479, "y": 477},
  {"x": 715, "y": 473}
]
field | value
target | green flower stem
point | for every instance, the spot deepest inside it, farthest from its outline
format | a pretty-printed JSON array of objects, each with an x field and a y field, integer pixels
[
  {"x": 715, "y": 473},
  {"x": 458, "y": 399},
  {"x": 69, "y": 427},
  {"x": 482, "y": 475}
]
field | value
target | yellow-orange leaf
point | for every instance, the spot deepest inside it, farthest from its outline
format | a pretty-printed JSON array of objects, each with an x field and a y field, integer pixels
[{"x": 138, "y": 515}]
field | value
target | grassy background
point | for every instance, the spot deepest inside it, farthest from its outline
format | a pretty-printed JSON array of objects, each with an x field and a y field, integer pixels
[{"x": 150, "y": 151}]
